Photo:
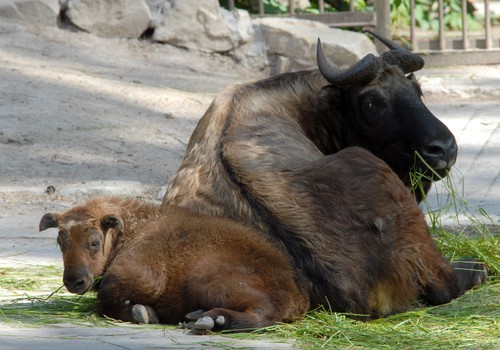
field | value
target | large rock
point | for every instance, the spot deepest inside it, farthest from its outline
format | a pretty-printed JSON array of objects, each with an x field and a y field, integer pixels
[
  {"x": 193, "y": 24},
  {"x": 292, "y": 43},
  {"x": 108, "y": 18},
  {"x": 35, "y": 11},
  {"x": 240, "y": 26}
]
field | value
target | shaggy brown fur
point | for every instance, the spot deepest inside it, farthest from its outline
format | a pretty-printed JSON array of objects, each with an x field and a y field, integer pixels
[
  {"x": 174, "y": 262},
  {"x": 346, "y": 219},
  {"x": 278, "y": 154}
]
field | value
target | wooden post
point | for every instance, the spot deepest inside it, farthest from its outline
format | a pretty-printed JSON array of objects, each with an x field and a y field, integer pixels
[
  {"x": 261, "y": 7},
  {"x": 383, "y": 27}
]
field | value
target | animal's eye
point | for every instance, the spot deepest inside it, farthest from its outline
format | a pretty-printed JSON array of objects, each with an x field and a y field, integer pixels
[
  {"x": 367, "y": 106},
  {"x": 95, "y": 244}
]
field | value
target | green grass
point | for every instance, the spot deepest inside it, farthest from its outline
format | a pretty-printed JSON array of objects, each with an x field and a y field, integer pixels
[{"x": 469, "y": 322}]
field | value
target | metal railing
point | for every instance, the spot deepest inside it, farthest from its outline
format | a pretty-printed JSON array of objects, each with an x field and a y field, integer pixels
[
  {"x": 291, "y": 7},
  {"x": 379, "y": 19},
  {"x": 447, "y": 49}
]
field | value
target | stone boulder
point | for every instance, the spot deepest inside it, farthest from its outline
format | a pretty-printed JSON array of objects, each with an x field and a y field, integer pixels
[
  {"x": 34, "y": 11},
  {"x": 108, "y": 18},
  {"x": 240, "y": 26},
  {"x": 291, "y": 43},
  {"x": 193, "y": 24}
]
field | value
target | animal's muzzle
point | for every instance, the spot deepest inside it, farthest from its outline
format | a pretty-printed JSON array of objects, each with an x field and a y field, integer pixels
[
  {"x": 440, "y": 155},
  {"x": 78, "y": 282}
]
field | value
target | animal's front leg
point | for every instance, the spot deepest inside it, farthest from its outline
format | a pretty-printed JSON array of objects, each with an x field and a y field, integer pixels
[{"x": 116, "y": 300}]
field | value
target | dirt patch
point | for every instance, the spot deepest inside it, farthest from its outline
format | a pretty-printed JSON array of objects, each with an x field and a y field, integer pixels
[{"x": 89, "y": 115}]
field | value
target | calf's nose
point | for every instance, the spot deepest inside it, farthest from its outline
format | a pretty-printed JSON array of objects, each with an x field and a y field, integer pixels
[
  {"x": 76, "y": 286},
  {"x": 77, "y": 282}
]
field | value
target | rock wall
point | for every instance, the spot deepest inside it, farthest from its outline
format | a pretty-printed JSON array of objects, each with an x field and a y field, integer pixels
[
  {"x": 193, "y": 24},
  {"x": 276, "y": 44},
  {"x": 108, "y": 18},
  {"x": 35, "y": 11}
]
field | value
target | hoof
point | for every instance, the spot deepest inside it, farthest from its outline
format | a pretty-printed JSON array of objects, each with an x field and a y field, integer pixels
[
  {"x": 200, "y": 324},
  {"x": 204, "y": 323},
  {"x": 472, "y": 273},
  {"x": 144, "y": 314},
  {"x": 220, "y": 320},
  {"x": 195, "y": 315}
]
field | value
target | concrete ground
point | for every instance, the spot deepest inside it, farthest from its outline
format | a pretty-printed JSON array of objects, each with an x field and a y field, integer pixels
[
  {"x": 467, "y": 100},
  {"x": 101, "y": 116}
]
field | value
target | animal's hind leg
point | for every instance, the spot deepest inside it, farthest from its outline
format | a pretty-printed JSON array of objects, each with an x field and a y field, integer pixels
[
  {"x": 225, "y": 319},
  {"x": 470, "y": 272}
]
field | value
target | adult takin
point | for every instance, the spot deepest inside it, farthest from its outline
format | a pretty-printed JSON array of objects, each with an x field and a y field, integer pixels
[
  {"x": 168, "y": 265},
  {"x": 319, "y": 161}
]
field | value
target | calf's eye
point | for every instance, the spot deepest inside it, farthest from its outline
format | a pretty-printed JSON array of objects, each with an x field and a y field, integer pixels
[{"x": 95, "y": 244}]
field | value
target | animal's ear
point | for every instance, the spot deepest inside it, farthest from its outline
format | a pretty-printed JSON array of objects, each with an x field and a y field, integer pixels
[
  {"x": 329, "y": 95},
  {"x": 112, "y": 221},
  {"x": 48, "y": 220}
]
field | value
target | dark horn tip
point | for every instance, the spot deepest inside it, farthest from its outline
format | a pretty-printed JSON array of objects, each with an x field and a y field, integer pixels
[{"x": 387, "y": 42}]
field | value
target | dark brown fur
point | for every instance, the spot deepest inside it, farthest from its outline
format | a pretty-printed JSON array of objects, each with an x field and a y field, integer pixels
[
  {"x": 278, "y": 154},
  {"x": 175, "y": 262}
]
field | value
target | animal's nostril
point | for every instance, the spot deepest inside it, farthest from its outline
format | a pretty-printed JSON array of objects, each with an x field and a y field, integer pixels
[
  {"x": 439, "y": 149},
  {"x": 435, "y": 150},
  {"x": 439, "y": 154},
  {"x": 78, "y": 284},
  {"x": 75, "y": 286}
]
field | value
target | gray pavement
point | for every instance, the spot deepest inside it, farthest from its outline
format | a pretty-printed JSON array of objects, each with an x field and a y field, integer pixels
[
  {"x": 467, "y": 99},
  {"x": 129, "y": 337}
]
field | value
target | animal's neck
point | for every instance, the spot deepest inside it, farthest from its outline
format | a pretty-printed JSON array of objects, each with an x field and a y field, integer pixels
[{"x": 323, "y": 126}]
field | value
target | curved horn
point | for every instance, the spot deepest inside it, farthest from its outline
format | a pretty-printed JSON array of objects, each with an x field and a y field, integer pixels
[
  {"x": 398, "y": 56},
  {"x": 363, "y": 71}
]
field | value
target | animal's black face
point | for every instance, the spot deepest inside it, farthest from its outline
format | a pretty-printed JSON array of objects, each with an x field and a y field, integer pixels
[{"x": 391, "y": 121}]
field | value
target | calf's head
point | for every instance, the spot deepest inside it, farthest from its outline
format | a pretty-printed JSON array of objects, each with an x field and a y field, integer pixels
[
  {"x": 380, "y": 103},
  {"x": 86, "y": 244}
]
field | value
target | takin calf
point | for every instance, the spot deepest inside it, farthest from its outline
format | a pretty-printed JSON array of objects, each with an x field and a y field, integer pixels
[{"x": 163, "y": 266}]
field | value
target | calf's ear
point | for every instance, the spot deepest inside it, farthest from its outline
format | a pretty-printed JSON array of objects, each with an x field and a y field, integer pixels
[
  {"x": 111, "y": 221},
  {"x": 48, "y": 220}
]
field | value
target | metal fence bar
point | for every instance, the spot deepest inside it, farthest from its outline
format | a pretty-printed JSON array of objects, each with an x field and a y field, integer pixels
[
  {"x": 465, "y": 38},
  {"x": 441, "y": 25},
  {"x": 487, "y": 24},
  {"x": 413, "y": 37},
  {"x": 383, "y": 27},
  {"x": 261, "y": 7},
  {"x": 351, "y": 5},
  {"x": 321, "y": 6},
  {"x": 231, "y": 5}
]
